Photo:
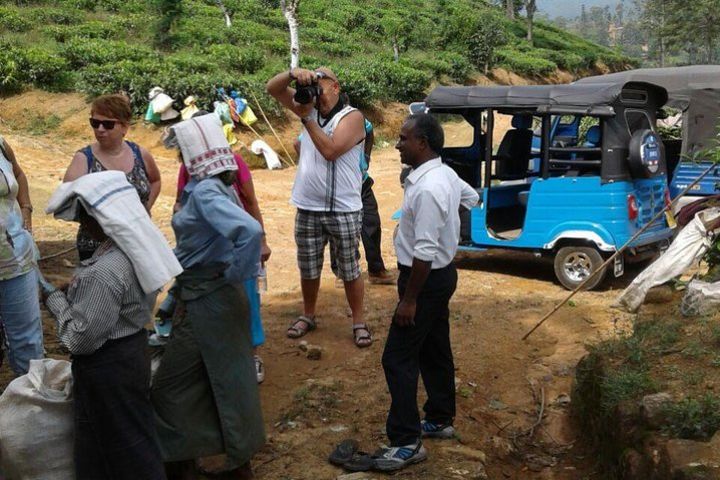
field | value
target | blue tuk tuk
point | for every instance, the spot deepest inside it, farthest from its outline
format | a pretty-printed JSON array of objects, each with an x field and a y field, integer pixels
[
  {"x": 577, "y": 203},
  {"x": 694, "y": 91}
]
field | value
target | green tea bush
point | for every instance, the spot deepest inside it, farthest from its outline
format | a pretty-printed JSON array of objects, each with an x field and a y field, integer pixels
[
  {"x": 83, "y": 52},
  {"x": 232, "y": 57},
  {"x": 191, "y": 62},
  {"x": 524, "y": 63},
  {"x": 12, "y": 20},
  {"x": 381, "y": 79},
  {"x": 11, "y": 80},
  {"x": 43, "y": 68},
  {"x": 54, "y": 15},
  {"x": 135, "y": 78},
  {"x": 460, "y": 67},
  {"x": 563, "y": 59},
  {"x": 96, "y": 29}
]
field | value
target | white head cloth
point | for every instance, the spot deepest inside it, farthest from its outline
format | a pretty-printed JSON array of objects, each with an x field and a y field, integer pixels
[
  {"x": 205, "y": 149},
  {"x": 115, "y": 204}
]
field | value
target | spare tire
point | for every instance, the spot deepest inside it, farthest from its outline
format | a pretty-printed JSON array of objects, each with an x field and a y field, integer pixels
[{"x": 647, "y": 154}]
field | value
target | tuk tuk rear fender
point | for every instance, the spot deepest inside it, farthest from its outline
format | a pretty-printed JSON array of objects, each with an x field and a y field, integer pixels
[{"x": 581, "y": 234}]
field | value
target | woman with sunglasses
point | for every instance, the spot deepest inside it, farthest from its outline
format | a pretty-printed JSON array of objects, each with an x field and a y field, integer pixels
[
  {"x": 19, "y": 306},
  {"x": 110, "y": 117}
]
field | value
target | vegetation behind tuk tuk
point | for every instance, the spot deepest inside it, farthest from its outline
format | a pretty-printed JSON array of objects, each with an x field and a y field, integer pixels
[{"x": 185, "y": 46}]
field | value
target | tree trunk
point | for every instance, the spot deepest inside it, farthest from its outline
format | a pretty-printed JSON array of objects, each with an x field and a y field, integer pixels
[
  {"x": 530, "y": 9},
  {"x": 396, "y": 49},
  {"x": 289, "y": 8},
  {"x": 221, "y": 5},
  {"x": 510, "y": 9}
]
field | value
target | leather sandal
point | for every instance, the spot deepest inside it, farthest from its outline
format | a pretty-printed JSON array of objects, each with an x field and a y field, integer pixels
[
  {"x": 296, "y": 330},
  {"x": 362, "y": 340}
]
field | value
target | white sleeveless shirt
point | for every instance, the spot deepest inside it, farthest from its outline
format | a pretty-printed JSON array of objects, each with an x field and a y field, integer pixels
[{"x": 324, "y": 186}]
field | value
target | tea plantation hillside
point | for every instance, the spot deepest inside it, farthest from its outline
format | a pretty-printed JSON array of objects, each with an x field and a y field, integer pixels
[{"x": 96, "y": 46}]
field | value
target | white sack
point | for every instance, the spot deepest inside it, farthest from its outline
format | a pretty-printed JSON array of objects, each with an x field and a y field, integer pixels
[
  {"x": 688, "y": 248},
  {"x": 259, "y": 147},
  {"x": 36, "y": 423}
]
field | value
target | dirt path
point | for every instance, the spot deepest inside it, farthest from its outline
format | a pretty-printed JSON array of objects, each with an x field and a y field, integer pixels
[{"x": 311, "y": 405}]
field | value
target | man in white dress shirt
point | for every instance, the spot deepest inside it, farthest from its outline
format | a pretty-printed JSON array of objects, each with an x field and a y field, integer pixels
[{"x": 419, "y": 339}]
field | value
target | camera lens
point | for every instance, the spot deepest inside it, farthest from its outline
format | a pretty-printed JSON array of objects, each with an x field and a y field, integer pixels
[{"x": 304, "y": 95}]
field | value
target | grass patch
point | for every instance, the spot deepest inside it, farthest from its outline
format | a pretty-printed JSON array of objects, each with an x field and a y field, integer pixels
[
  {"x": 694, "y": 418},
  {"x": 314, "y": 400},
  {"x": 42, "y": 124}
]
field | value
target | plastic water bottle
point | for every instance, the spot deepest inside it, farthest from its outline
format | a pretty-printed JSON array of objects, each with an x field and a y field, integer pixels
[{"x": 262, "y": 280}]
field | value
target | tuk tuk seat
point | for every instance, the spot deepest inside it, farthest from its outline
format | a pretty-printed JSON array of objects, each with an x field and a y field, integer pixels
[
  {"x": 592, "y": 137},
  {"x": 515, "y": 149}
]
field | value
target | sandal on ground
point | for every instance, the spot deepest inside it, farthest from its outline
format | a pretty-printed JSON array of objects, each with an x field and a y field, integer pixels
[
  {"x": 360, "y": 462},
  {"x": 343, "y": 452},
  {"x": 362, "y": 335},
  {"x": 300, "y": 326}
]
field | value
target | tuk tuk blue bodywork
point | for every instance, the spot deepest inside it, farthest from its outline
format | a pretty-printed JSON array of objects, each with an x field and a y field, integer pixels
[{"x": 581, "y": 209}]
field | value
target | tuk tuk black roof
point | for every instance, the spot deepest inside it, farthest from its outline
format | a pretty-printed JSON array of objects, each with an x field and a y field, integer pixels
[
  {"x": 591, "y": 98},
  {"x": 679, "y": 82},
  {"x": 693, "y": 89}
]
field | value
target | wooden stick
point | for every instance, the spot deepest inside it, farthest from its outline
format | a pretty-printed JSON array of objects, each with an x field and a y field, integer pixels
[
  {"x": 618, "y": 252},
  {"x": 262, "y": 112}
]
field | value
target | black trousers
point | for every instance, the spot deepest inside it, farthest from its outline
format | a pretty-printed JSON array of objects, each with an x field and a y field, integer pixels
[
  {"x": 371, "y": 231},
  {"x": 423, "y": 349},
  {"x": 115, "y": 435}
]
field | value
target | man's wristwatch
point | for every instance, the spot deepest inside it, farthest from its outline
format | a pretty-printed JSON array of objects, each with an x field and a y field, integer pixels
[{"x": 305, "y": 120}]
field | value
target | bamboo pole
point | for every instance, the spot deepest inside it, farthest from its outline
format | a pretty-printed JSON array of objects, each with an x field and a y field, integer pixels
[
  {"x": 618, "y": 252},
  {"x": 262, "y": 112}
]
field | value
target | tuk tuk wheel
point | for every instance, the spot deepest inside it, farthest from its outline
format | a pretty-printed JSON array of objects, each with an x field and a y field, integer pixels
[{"x": 574, "y": 264}]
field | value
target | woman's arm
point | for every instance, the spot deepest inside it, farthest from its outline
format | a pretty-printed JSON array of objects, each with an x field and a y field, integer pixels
[
  {"x": 253, "y": 208},
  {"x": 23, "y": 196},
  {"x": 77, "y": 168},
  {"x": 153, "y": 173}
]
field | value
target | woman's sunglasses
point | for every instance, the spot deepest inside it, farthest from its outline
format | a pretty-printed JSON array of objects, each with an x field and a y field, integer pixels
[{"x": 107, "y": 124}]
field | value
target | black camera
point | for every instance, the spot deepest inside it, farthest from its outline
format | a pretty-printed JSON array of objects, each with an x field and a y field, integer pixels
[{"x": 305, "y": 94}]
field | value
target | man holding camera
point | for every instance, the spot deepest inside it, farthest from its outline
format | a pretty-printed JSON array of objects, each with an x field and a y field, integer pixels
[{"x": 327, "y": 190}]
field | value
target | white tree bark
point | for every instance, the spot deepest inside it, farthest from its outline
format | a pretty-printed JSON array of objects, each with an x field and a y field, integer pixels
[
  {"x": 289, "y": 8},
  {"x": 221, "y": 5}
]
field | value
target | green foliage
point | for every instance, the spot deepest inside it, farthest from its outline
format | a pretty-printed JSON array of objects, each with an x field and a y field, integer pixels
[
  {"x": 181, "y": 45},
  {"x": 54, "y": 15},
  {"x": 10, "y": 76},
  {"x": 694, "y": 418},
  {"x": 242, "y": 59},
  {"x": 12, "y": 20},
  {"x": 85, "y": 52},
  {"x": 524, "y": 63},
  {"x": 381, "y": 79},
  {"x": 624, "y": 384}
]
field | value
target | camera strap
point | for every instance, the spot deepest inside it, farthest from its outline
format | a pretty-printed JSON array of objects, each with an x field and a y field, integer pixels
[{"x": 335, "y": 110}]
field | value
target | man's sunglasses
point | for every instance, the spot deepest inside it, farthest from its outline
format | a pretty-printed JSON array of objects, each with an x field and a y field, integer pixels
[{"x": 107, "y": 124}]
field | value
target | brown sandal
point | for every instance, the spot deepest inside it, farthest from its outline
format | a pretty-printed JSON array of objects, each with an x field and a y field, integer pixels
[
  {"x": 362, "y": 340},
  {"x": 297, "y": 330}
]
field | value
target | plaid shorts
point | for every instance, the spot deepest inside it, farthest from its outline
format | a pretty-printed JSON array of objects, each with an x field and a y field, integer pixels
[{"x": 313, "y": 230}]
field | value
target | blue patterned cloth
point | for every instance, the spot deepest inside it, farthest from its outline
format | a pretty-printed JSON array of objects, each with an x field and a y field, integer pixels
[{"x": 212, "y": 228}]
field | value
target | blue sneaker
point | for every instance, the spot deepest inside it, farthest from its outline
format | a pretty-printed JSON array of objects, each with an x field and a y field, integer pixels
[
  {"x": 389, "y": 459},
  {"x": 436, "y": 430}
]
